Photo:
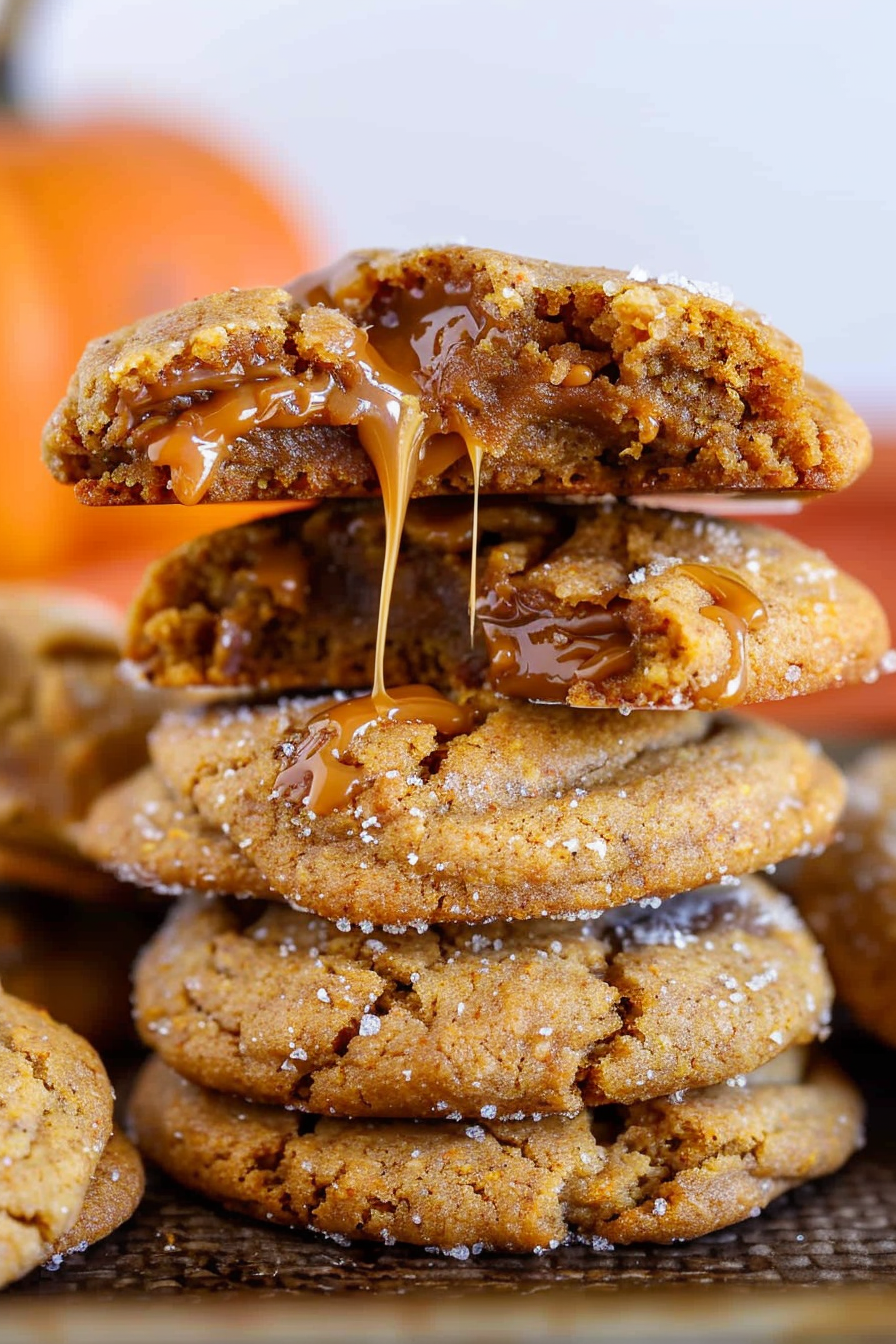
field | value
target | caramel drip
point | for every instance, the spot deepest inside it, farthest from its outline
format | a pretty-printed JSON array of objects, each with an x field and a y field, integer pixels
[
  {"x": 739, "y": 611},
  {"x": 440, "y": 452},
  {"x": 380, "y": 373},
  {"x": 476, "y": 455},
  {"x": 318, "y": 776},
  {"x": 537, "y": 653}
]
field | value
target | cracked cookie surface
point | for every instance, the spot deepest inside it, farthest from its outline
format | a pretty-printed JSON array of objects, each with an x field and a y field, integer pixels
[
  {"x": 538, "y": 811},
  {"x": 570, "y": 379},
  {"x": 536, "y": 1016},
  {"x": 290, "y": 603},
  {"x": 55, "y": 1122},
  {"x": 656, "y": 1171}
]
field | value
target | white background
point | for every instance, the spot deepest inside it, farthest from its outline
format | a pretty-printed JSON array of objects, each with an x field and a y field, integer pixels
[{"x": 749, "y": 143}]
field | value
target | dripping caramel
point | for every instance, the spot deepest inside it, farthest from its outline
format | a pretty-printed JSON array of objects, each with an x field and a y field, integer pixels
[
  {"x": 739, "y": 611},
  {"x": 318, "y": 777}
]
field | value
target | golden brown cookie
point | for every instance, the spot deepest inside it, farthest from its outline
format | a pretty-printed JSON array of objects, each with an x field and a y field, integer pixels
[
  {"x": 538, "y": 811},
  {"x": 72, "y": 959},
  {"x": 599, "y": 605},
  {"x": 112, "y": 1196},
  {"x": 656, "y": 1171},
  {"x": 565, "y": 379},
  {"x": 143, "y": 835},
  {"x": 69, "y": 727},
  {"x": 55, "y": 1121},
  {"x": 848, "y": 895},
  {"x": 532, "y": 1016}
]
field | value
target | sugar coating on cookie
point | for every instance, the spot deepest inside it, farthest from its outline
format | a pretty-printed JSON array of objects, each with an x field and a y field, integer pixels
[
  {"x": 555, "y": 379},
  {"x": 113, "y": 1195},
  {"x": 848, "y": 895},
  {"x": 290, "y": 603},
  {"x": 538, "y": 811},
  {"x": 658, "y": 1171},
  {"x": 55, "y": 1122},
  {"x": 517, "y": 1018}
]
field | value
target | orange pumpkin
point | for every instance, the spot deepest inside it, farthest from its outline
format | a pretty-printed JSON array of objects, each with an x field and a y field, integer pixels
[{"x": 99, "y": 224}]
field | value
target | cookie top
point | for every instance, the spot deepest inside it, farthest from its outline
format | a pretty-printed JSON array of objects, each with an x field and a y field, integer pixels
[
  {"x": 112, "y": 1196},
  {"x": 73, "y": 960},
  {"x": 69, "y": 727},
  {"x": 534, "y": 1016},
  {"x": 537, "y": 811},
  {"x": 849, "y": 895},
  {"x": 599, "y": 605},
  {"x": 656, "y": 1171},
  {"x": 561, "y": 378},
  {"x": 55, "y": 1121}
]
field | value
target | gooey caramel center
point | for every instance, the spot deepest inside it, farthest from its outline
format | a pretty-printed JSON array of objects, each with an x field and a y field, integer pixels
[
  {"x": 377, "y": 386},
  {"x": 537, "y": 652}
]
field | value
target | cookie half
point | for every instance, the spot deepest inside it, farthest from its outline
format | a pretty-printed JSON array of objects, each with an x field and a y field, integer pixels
[
  {"x": 537, "y": 811},
  {"x": 656, "y": 1171},
  {"x": 594, "y": 605},
  {"x": 55, "y": 1122},
  {"x": 563, "y": 379},
  {"x": 533, "y": 1016},
  {"x": 848, "y": 895}
]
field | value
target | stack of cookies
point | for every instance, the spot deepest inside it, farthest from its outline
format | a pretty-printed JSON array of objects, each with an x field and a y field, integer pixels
[{"x": 470, "y": 949}]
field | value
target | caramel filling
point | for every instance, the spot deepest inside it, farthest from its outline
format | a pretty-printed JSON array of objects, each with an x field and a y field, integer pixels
[
  {"x": 536, "y": 653},
  {"x": 319, "y": 777},
  {"x": 739, "y": 611},
  {"x": 379, "y": 377}
]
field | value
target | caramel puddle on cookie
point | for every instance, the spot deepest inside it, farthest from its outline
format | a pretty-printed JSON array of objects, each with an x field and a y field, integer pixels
[{"x": 538, "y": 653}]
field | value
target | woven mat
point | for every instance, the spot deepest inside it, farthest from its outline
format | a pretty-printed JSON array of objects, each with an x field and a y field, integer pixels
[{"x": 840, "y": 1230}]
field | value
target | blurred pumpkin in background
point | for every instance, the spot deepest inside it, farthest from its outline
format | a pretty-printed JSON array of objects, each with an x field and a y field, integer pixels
[{"x": 100, "y": 223}]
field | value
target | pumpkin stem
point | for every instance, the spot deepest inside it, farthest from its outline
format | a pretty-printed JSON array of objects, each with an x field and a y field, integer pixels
[{"x": 13, "y": 14}]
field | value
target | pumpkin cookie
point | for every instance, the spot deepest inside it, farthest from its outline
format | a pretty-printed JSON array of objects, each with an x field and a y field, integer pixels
[
  {"x": 537, "y": 811},
  {"x": 143, "y": 835},
  {"x": 69, "y": 728},
  {"x": 532, "y": 1016},
  {"x": 848, "y": 895},
  {"x": 656, "y": 1171},
  {"x": 72, "y": 959},
  {"x": 600, "y": 605},
  {"x": 561, "y": 379},
  {"x": 112, "y": 1196},
  {"x": 55, "y": 1122}
]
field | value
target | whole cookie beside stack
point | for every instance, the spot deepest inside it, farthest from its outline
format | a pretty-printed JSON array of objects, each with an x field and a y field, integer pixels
[
  {"x": 69, "y": 728},
  {"x": 503, "y": 976}
]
